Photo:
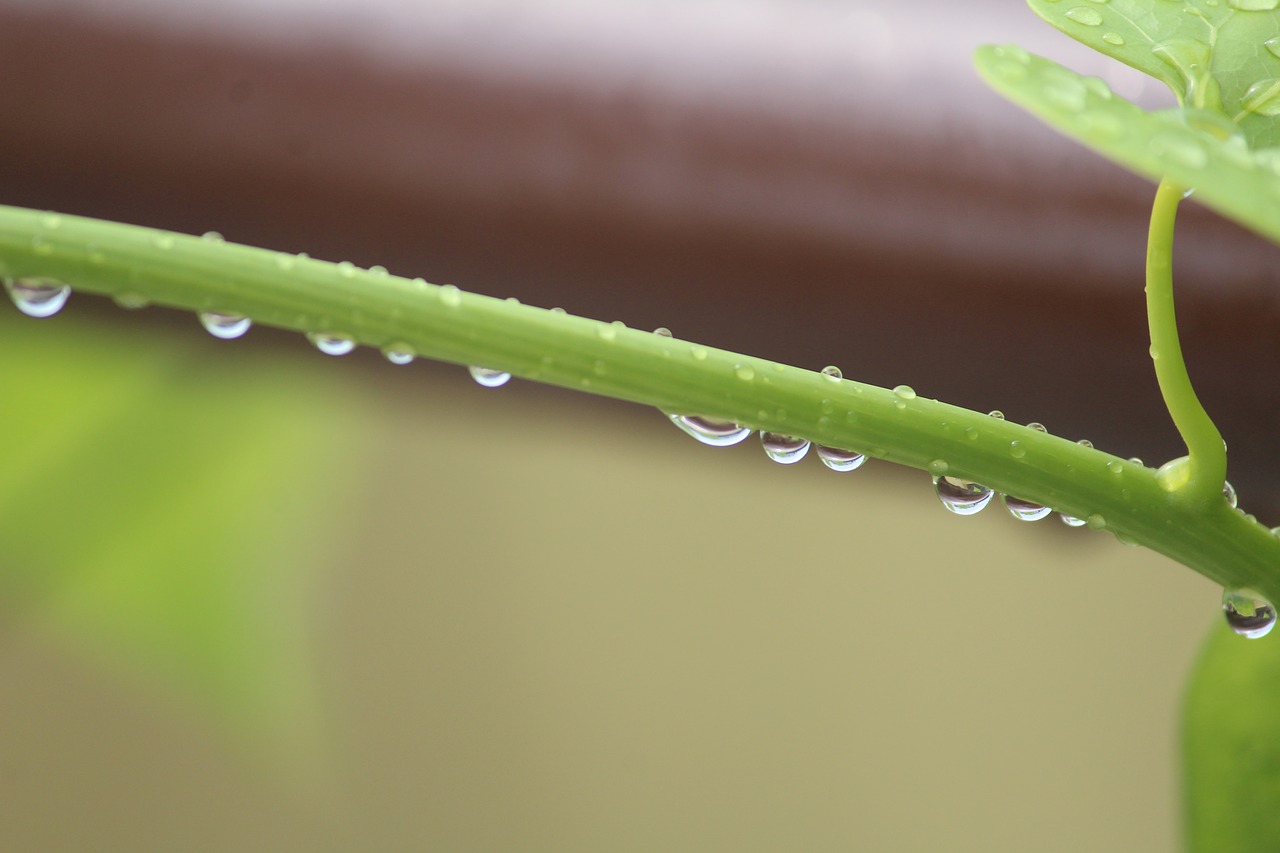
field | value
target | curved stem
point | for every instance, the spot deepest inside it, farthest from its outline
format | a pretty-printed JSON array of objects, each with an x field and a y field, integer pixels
[
  {"x": 1207, "y": 456},
  {"x": 377, "y": 309}
]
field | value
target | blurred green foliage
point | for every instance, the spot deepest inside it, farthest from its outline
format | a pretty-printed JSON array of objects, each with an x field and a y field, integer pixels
[{"x": 161, "y": 508}]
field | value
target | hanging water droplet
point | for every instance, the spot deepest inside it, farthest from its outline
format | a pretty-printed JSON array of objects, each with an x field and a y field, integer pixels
[
  {"x": 398, "y": 353},
  {"x": 832, "y": 373},
  {"x": 1096, "y": 521},
  {"x": 662, "y": 332},
  {"x": 1229, "y": 492},
  {"x": 226, "y": 326},
  {"x": 713, "y": 432},
  {"x": 839, "y": 460},
  {"x": 1247, "y": 613},
  {"x": 963, "y": 497},
  {"x": 331, "y": 343},
  {"x": 1085, "y": 15},
  {"x": 1071, "y": 520},
  {"x": 1024, "y": 510},
  {"x": 786, "y": 449},
  {"x": 37, "y": 297},
  {"x": 130, "y": 301},
  {"x": 488, "y": 377},
  {"x": 938, "y": 467}
]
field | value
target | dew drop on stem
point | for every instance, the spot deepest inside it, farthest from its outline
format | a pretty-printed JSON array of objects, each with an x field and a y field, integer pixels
[
  {"x": 713, "y": 432},
  {"x": 225, "y": 325},
  {"x": 1071, "y": 520},
  {"x": 488, "y": 377},
  {"x": 398, "y": 353},
  {"x": 331, "y": 343},
  {"x": 1229, "y": 492},
  {"x": 784, "y": 449},
  {"x": 38, "y": 297},
  {"x": 839, "y": 460},
  {"x": 963, "y": 497},
  {"x": 1248, "y": 613},
  {"x": 832, "y": 373},
  {"x": 1024, "y": 510}
]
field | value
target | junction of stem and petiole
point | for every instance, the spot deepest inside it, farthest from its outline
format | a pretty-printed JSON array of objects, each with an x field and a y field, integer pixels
[{"x": 1201, "y": 474}]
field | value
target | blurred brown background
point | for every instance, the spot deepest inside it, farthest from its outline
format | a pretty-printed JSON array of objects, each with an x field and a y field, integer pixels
[{"x": 660, "y": 647}]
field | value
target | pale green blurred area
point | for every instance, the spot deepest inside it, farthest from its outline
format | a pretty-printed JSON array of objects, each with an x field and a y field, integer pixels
[{"x": 517, "y": 619}]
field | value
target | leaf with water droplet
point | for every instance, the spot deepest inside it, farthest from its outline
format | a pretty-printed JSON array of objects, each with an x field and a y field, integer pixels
[
  {"x": 1214, "y": 56},
  {"x": 1194, "y": 148}
]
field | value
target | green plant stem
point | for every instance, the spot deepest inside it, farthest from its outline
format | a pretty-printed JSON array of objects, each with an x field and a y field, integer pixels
[
  {"x": 443, "y": 323},
  {"x": 1207, "y": 469}
]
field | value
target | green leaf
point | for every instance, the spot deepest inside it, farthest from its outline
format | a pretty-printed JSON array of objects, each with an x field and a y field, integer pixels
[
  {"x": 161, "y": 511},
  {"x": 1222, "y": 56},
  {"x": 1231, "y": 746},
  {"x": 1198, "y": 149}
]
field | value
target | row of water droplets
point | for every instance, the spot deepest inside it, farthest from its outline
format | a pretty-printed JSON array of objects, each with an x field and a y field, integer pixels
[
  {"x": 1246, "y": 612},
  {"x": 43, "y": 297}
]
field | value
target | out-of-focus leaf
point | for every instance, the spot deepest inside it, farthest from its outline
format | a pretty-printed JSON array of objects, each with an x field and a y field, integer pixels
[
  {"x": 1231, "y": 746},
  {"x": 1196, "y": 148},
  {"x": 1216, "y": 55},
  {"x": 161, "y": 510}
]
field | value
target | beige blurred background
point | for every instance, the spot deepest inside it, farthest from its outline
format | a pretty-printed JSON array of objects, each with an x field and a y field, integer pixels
[{"x": 537, "y": 621}]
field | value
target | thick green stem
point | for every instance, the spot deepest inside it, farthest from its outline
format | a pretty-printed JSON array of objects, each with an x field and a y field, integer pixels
[
  {"x": 1206, "y": 469},
  {"x": 443, "y": 323}
]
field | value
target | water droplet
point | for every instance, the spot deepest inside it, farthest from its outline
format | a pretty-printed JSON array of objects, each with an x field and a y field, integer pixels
[
  {"x": 1262, "y": 98},
  {"x": 663, "y": 332},
  {"x": 1071, "y": 520},
  {"x": 1273, "y": 45},
  {"x": 1115, "y": 466},
  {"x": 1016, "y": 450},
  {"x": 839, "y": 460},
  {"x": 557, "y": 311},
  {"x": 1025, "y": 510},
  {"x": 1247, "y": 613},
  {"x": 963, "y": 497},
  {"x": 163, "y": 240},
  {"x": 1084, "y": 442},
  {"x": 938, "y": 467},
  {"x": 1136, "y": 461},
  {"x": 1096, "y": 522},
  {"x": 398, "y": 353},
  {"x": 745, "y": 372},
  {"x": 225, "y": 325},
  {"x": 379, "y": 270},
  {"x": 1253, "y": 5},
  {"x": 786, "y": 449},
  {"x": 832, "y": 373},
  {"x": 1229, "y": 492},
  {"x": 699, "y": 354},
  {"x": 1174, "y": 474},
  {"x": 450, "y": 296},
  {"x": 606, "y": 332},
  {"x": 1067, "y": 93},
  {"x": 713, "y": 432},
  {"x": 1037, "y": 427},
  {"x": 996, "y": 413},
  {"x": 904, "y": 392},
  {"x": 331, "y": 343},
  {"x": 1113, "y": 38},
  {"x": 1085, "y": 15},
  {"x": 971, "y": 433},
  {"x": 38, "y": 297},
  {"x": 130, "y": 301},
  {"x": 212, "y": 237},
  {"x": 488, "y": 377}
]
